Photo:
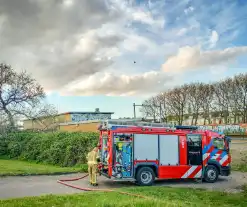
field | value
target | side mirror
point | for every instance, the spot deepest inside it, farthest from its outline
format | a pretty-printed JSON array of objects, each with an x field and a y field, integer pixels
[{"x": 228, "y": 139}]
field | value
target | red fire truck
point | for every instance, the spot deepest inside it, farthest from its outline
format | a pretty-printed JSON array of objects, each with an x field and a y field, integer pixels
[{"x": 140, "y": 152}]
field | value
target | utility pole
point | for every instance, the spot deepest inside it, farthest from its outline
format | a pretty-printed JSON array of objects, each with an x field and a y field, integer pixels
[
  {"x": 134, "y": 105},
  {"x": 160, "y": 113}
]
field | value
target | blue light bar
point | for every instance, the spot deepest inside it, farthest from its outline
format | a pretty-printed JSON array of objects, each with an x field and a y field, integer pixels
[{"x": 187, "y": 127}]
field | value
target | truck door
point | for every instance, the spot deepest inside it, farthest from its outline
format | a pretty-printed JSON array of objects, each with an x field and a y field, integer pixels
[{"x": 194, "y": 149}]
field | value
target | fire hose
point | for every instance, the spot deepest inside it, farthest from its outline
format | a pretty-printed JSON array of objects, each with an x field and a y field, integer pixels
[{"x": 64, "y": 182}]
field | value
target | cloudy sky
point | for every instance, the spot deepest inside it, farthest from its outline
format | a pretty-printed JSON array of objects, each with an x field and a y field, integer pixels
[{"x": 83, "y": 51}]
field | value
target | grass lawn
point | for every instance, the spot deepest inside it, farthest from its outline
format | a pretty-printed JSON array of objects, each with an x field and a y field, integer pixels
[
  {"x": 239, "y": 167},
  {"x": 16, "y": 167},
  {"x": 157, "y": 196}
]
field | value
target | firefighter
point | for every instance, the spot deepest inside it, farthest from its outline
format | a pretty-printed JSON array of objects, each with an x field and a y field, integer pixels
[{"x": 93, "y": 158}]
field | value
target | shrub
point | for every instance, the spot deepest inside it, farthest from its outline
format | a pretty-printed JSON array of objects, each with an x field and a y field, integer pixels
[
  {"x": 60, "y": 148},
  {"x": 3, "y": 146}
]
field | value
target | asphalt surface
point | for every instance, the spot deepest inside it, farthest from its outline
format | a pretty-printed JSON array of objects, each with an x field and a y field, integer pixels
[{"x": 22, "y": 186}]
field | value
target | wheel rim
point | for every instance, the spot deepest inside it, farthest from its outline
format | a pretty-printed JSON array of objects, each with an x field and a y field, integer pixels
[
  {"x": 146, "y": 177},
  {"x": 211, "y": 174}
]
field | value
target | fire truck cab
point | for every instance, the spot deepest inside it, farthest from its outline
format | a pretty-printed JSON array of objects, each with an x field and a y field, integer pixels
[{"x": 142, "y": 153}]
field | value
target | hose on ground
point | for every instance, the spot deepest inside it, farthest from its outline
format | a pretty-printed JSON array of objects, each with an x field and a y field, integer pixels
[{"x": 64, "y": 182}]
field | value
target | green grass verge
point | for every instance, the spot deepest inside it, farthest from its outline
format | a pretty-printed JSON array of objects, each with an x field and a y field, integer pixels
[
  {"x": 16, "y": 167},
  {"x": 157, "y": 196},
  {"x": 239, "y": 167}
]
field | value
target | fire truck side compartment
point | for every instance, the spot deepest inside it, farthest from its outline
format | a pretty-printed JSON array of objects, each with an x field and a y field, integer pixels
[
  {"x": 145, "y": 147},
  {"x": 169, "y": 150}
]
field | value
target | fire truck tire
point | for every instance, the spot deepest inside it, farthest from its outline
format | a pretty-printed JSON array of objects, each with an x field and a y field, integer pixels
[
  {"x": 145, "y": 176},
  {"x": 211, "y": 174}
]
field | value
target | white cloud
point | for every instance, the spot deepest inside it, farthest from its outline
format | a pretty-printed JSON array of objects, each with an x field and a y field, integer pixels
[
  {"x": 68, "y": 3},
  {"x": 2, "y": 21},
  {"x": 123, "y": 85},
  {"x": 189, "y": 10},
  {"x": 59, "y": 47},
  {"x": 136, "y": 43},
  {"x": 143, "y": 17},
  {"x": 138, "y": 14},
  {"x": 214, "y": 39},
  {"x": 81, "y": 38},
  {"x": 182, "y": 31},
  {"x": 97, "y": 40},
  {"x": 189, "y": 58}
]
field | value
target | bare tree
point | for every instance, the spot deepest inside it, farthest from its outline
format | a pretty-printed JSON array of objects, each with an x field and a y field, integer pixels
[
  {"x": 239, "y": 96},
  {"x": 150, "y": 108},
  {"x": 162, "y": 102},
  {"x": 222, "y": 100},
  {"x": 45, "y": 116},
  {"x": 243, "y": 83},
  {"x": 195, "y": 99},
  {"x": 18, "y": 92},
  {"x": 177, "y": 102},
  {"x": 207, "y": 102},
  {"x": 222, "y": 97},
  {"x": 235, "y": 99}
]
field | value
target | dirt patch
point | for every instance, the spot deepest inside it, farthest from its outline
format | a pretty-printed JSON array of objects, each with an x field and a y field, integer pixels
[{"x": 239, "y": 153}]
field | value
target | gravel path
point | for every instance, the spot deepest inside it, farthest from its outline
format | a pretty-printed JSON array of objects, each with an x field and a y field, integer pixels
[{"x": 20, "y": 186}]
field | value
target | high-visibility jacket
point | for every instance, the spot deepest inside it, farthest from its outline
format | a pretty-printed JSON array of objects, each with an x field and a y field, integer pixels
[{"x": 92, "y": 157}]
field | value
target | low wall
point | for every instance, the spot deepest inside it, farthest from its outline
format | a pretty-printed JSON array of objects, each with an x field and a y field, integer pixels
[
  {"x": 79, "y": 127},
  {"x": 231, "y": 129}
]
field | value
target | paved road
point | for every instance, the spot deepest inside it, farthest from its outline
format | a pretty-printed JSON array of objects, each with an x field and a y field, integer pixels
[{"x": 40, "y": 185}]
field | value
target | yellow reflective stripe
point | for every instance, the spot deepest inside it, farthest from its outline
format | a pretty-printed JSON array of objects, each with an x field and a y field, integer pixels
[{"x": 92, "y": 162}]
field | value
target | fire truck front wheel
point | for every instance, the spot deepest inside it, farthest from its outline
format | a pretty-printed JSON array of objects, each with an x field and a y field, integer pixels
[
  {"x": 211, "y": 174},
  {"x": 145, "y": 176}
]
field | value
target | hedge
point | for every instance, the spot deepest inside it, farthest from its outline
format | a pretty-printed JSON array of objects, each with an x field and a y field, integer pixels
[{"x": 60, "y": 148}]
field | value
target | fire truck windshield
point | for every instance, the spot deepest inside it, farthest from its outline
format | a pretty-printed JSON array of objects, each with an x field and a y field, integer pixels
[{"x": 219, "y": 143}]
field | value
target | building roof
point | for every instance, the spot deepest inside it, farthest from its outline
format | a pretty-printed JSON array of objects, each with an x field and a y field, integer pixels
[
  {"x": 70, "y": 112},
  {"x": 80, "y": 122},
  {"x": 87, "y": 112}
]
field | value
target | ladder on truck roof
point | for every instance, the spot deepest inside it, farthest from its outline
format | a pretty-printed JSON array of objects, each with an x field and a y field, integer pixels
[{"x": 113, "y": 124}]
